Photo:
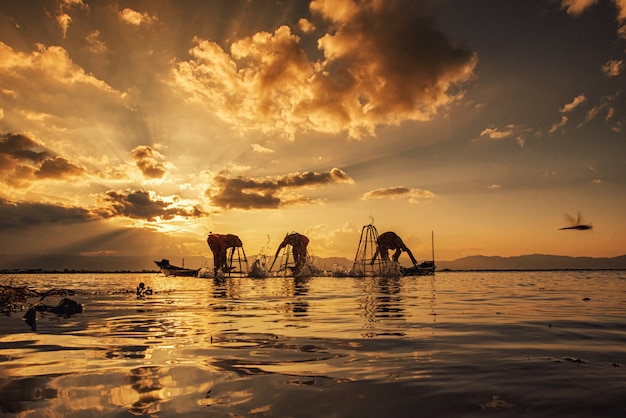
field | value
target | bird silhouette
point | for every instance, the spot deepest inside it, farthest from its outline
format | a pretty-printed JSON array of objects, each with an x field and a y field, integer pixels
[{"x": 576, "y": 223}]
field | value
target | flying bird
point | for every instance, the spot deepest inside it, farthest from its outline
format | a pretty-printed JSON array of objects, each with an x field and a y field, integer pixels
[{"x": 576, "y": 223}]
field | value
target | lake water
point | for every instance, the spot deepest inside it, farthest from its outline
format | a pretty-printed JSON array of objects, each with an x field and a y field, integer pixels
[{"x": 457, "y": 344}]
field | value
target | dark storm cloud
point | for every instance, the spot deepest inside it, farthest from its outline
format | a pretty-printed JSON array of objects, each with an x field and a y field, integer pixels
[
  {"x": 136, "y": 205},
  {"x": 148, "y": 161},
  {"x": 58, "y": 168},
  {"x": 143, "y": 205},
  {"x": 271, "y": 192},
  {"x": 22, "y": 214},
  {"x": 392, "y": 55},
  {"x": 23, "y": 160},
  {"x": 20, "y": 147}
]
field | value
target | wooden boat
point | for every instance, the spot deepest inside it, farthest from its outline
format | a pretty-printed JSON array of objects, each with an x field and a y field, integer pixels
[
  {"x": 169, "y": 270},
  {"x": 425, "y": 268},
  {"x": 422, "y": 269}
]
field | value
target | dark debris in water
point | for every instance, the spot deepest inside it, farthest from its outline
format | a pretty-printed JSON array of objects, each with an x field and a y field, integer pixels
[
  {"x": 569, "y": 360},
  {"x": 57, "y": 292},
  {"x": 12, "y": 298},
  {"x": 578, "y": 361},
  {"x": 143, "y": 291},
  {"x": 301, "y": 382},
  {"x": 574, "y": 360},
  {"x": 16, "y": 299},
  {"x": 67, "y": 307}
]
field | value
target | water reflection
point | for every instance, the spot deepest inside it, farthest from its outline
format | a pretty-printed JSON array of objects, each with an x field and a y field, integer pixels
[
  {"x": 154, "y": 328},
  {"x": 433, "y": 298},
  {"x": 296, "y": 289},
  {"x": 16, "y": 395},
  {"x": 127, "y": 352},
  {"x": 381, "y": 306},
  {"x": 276, "y": 346},
  {"x": 224, "y": 287},
  {"x": 148, "y": 383},
  {"x": 141, "y": 390},
  {"x": 289, "y": 296}
]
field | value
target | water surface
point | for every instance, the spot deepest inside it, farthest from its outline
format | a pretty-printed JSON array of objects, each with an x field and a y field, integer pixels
[{"x": 503, "y": 344}]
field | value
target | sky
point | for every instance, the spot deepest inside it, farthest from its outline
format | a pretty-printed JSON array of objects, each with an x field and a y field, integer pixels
[{"x": 136, "y": 128}]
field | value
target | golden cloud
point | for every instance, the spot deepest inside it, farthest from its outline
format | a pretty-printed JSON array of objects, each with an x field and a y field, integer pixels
[
  {"x": 384, "y": 63},
  {"x": 613, "y": 68},
  {"x": 578, "y": 100},
  {"x": 149, "y": 162},
  {"x": 49, "y": 92},
  {"x": 63, "y": 19},
  {"x": 576, "y": 7},
  {"x": 555, "y": 127},
  {"x": 261, "y": 149},
  {"x": 136, "y": 18},
  {"x": 399, "y": 192},
  {"x": 141, "y": 204},
  {"x": 23, "y": 160},
  {"x": 520, "y": 133}
]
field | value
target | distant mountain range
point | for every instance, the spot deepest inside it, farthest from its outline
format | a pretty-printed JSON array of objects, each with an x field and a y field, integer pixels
[
  {"x": 11, "y": 263},
  {"x": 534, "y": 262},
  {"x": 523, "y": 262}
]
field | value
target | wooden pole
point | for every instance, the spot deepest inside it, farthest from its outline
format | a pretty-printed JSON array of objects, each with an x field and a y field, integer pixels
[{"x": 432, "y": 244}]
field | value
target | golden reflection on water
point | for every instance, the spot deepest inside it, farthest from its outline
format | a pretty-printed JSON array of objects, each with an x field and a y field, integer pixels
[
  {"x": 140, "y": 390},
  {"x": 200, "y": 346}
]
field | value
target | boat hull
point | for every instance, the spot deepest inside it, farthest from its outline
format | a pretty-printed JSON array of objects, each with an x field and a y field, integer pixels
[
  {"x": 426, "y": 268},
  {"x": 169, "y": 270}
]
